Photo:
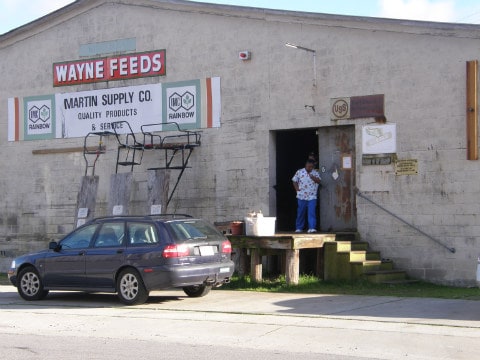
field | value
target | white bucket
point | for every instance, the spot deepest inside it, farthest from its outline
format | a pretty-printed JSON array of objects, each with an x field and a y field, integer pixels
[
  {"x": 249, "y": 221},
  {"x": 260, "y": 226}
]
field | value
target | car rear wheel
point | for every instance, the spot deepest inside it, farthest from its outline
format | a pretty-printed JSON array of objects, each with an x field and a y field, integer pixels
[
  {"x": 30, "y": 286},
  {"x": 197, "y": 290},
  {"x": 130, "y": 288}
]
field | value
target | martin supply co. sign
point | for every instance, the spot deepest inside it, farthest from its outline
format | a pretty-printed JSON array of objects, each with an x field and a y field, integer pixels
[
  {"x": 193, "y": 104},
  {"x": 121, "y": 67},
  {"x": 95, "y": 110}
]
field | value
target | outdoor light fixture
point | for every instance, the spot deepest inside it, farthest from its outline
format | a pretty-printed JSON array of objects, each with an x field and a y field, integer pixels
[{"x": 314, "y": 59}]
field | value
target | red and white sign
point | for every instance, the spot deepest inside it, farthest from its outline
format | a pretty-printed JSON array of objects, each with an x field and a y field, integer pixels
[{"x": 110, "y": 68}]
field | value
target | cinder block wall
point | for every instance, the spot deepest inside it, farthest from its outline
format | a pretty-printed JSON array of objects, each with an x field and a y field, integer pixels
[{"x": 419, "y": 67}]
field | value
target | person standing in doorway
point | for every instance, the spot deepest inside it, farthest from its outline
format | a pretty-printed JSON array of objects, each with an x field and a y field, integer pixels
[{"x": 306, "y": 181}]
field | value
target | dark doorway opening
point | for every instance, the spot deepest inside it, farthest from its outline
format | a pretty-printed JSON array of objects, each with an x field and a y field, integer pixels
[{"x": 293, "y": 148}]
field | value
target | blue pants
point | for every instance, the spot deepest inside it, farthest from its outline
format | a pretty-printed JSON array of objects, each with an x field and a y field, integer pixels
[{"x": 303, "y": 207}]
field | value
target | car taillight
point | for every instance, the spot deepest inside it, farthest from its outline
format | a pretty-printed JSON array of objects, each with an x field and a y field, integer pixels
[
  {"x": 226, "y": 247},
  {"x": 174, "y": 251}
]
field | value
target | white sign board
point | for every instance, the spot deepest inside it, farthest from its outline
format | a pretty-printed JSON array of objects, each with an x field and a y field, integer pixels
[
  {"x": 379, "y": 139},
  {"x": 193, "y": 104},
  {"x": 89, "y": 111}
]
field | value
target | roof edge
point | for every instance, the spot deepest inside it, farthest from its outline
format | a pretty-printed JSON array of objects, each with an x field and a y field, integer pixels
[{"x": 61, "y": 15}]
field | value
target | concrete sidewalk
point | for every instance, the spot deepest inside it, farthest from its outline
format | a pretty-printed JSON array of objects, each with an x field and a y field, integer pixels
[
  {"x": 462, "y": 313},
  {"x": 459, "y": 313},
  {"x": 251, "y": 324}
]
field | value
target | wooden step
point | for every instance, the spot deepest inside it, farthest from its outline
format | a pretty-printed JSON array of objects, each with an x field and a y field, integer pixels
[
  {"x": 347, "y": 236},
  {"x": 345, "y": 245},
  {"x": 358, "y": 255},
  {"x": 363, "y": 255}
]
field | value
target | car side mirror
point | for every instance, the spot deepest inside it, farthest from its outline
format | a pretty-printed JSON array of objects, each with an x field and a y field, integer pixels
[{"x": 53, "y": 245}]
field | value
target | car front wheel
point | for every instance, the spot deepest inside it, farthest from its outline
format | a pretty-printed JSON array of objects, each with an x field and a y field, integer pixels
[
  {"x": 30, "y": 286},
  {"x": 197, "y": 290},
  {"x": 130, "y": 288}
]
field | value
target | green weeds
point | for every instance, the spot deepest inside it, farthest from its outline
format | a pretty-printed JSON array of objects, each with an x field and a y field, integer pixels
[{"x": 313, "y": 285}]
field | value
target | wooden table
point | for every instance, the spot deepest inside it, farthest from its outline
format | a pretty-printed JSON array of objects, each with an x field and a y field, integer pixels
[{"x": 287, "y": 242}]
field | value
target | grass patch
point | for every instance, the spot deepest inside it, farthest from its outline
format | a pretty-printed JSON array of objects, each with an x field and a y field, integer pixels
[
  {"x": 4, "y": 279},
  {"x": 313, "y": 285}
]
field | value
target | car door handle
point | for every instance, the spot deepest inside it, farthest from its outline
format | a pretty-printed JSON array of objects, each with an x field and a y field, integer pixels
[
  {"x": 81, "y": 253},
  {"x": 119, "y": 251}
]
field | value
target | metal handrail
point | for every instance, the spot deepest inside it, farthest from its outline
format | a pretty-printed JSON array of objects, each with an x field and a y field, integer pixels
[{"x": 451, "y": 249}]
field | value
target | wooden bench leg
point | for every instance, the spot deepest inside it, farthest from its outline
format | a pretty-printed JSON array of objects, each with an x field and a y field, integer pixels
[
  {"x": 293, "y": 266},
  {"x": 256, "y": 265}
]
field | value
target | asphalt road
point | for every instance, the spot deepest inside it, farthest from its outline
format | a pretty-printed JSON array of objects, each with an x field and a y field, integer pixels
[{"x": 237, "y": 325}]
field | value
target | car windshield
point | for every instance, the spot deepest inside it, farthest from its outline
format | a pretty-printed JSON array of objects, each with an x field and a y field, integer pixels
[{"x": 193, "y": 230}]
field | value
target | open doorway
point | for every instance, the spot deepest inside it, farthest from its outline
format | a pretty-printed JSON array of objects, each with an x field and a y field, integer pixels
[{"x": 292, "y": 150}]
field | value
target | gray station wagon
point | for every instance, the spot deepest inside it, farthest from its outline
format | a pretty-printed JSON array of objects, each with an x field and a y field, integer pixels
[{"x": 131, "y": 256}]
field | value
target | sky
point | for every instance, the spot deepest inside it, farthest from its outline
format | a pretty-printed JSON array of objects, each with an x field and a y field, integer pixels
[{"x": 15, "y": 13}]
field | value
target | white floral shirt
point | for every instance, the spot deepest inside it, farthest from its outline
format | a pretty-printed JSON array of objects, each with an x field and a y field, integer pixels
[{"x": 307, "y": 187}]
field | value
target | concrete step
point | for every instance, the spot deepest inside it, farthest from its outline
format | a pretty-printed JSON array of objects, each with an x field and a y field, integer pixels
[
  {"x": 386, "y": 265},
  {"x": 358, "y": 268},
  {"x": 348, "y": 258},
  {"x": 401, "y": 282},
  {"x": 383, "y": 276},
  {"x": 373, "y": 255}
]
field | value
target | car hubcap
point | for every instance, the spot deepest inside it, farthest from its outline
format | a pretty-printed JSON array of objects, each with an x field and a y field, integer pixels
[
  {"x": 30, "y": 284},
  {"x": 129, "y": 286}
]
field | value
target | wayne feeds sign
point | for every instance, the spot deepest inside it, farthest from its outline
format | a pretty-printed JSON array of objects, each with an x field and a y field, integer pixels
[{"x": 122, "y": 67}]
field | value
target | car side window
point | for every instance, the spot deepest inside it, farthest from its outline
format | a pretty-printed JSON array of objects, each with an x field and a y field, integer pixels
[
  {"x": 79, "y": 239},
  {"x": 142, "y": 234},
  {"x": 110, "y": 235}
]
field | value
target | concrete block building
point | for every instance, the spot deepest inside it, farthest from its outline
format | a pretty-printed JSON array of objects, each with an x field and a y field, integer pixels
[{"x": 389, "y": 107}]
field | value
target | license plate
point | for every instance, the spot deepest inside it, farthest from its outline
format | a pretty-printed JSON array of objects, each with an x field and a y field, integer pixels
[
  {"x": 224, "y": 270},
  {"x": 206, "y": 250}
]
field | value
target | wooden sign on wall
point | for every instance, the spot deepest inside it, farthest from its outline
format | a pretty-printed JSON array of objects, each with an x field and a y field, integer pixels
[
  {"x": 472, "y": 112},
  {"x": 357, "y": 107}
]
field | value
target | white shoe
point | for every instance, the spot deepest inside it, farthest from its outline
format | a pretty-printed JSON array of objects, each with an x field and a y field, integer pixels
[
  {"x": 312, "y": 231},
  {"x": 298, "y": 231}
]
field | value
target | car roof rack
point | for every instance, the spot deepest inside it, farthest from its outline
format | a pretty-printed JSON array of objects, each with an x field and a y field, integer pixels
[
  {"x": 172, "y": 216},
  {"x": 143, "y": 217}
]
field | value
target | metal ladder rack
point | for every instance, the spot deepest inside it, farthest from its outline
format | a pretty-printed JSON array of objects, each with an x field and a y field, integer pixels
[
  {"x": 183, "y": 142},
  {"x": 93, "y": 152},
  {"x": 128, "y": 145}
]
